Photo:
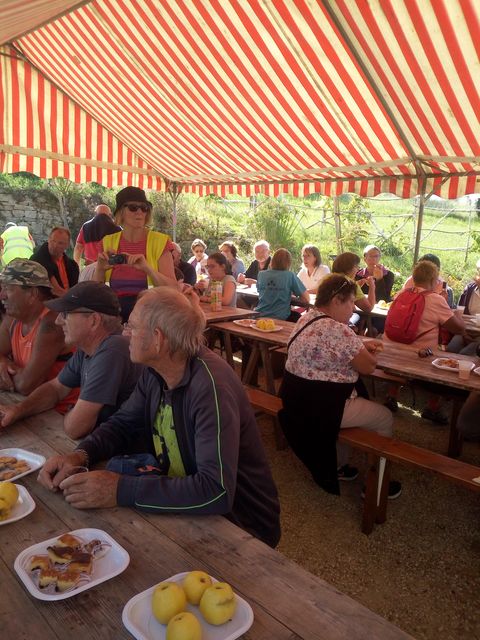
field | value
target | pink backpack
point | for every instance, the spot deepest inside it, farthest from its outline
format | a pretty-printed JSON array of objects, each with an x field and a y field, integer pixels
[{"x": 404, "y": 316}]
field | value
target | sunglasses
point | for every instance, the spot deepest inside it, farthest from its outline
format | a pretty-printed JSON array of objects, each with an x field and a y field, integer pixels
[
  {"x": 344, "y": 284},
  {"x": 135, "y": 207}
]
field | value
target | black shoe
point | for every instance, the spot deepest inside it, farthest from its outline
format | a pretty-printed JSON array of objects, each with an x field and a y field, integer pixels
[
  {"x": 391, "y": 404},
  {"x": 394, "y": 490},
  {"x": 435, "y": 416},
  {"x": 347, "y": 473}
]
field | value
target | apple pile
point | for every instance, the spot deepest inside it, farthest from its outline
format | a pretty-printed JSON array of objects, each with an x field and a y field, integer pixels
[{"x": 215, "y": 600}]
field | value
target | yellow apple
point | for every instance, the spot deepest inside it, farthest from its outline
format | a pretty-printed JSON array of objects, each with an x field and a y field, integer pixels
[
  {"x": 168, "y": 599},
  {"x": 194, "y": 584},
  {"x": 184, "y": 626},
  {"x": 9, "y": 493},
  {"x": 4, "y": 509},
  {"x": 218, "y": 603}
]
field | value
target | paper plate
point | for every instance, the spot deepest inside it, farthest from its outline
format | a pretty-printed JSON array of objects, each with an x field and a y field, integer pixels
[
  {"x": 25, "y": 505},
  {"x": 138, "y": 618},
  {"x": 35, "y": 460},
  {"x": 104, "y": 568},
  {"x": 438, "y": 364}
]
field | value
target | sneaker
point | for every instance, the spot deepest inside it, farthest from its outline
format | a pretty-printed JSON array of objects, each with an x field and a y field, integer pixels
[
  {"x": 435, "y": 416},
  {"x": 347, "y": 473},
  {"x": 391, "y": 404},
  {"x": 394, "y": 490}
]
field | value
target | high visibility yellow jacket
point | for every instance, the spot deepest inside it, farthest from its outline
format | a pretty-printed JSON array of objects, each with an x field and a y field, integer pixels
[
  {"x": 16, "y": 244},
  {"x": 156, "y": 243}
]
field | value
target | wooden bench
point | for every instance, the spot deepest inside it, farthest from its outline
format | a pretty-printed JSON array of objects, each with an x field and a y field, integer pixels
[
  {"x": 269, "y": 404},
  {"x": 381, "y": 452}
]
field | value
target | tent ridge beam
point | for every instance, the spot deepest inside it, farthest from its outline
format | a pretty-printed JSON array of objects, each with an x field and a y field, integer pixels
[
  {"x": 50, "y": 155},
  {"x": 384, "y": 178}
]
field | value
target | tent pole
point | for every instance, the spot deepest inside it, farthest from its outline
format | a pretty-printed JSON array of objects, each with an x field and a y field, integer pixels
[
  {"x": 421, "y": 207},
  {"x": 174, "y": 193}
]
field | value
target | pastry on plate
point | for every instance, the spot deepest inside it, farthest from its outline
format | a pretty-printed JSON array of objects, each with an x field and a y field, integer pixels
[
  {"x": 46, "y": 577},
  {"x": 39, "y": 562},
  {"x": 67, "y": 540},
  {"x": 60, "y": 555},
  {"x": 81, "y": 563},
  {"x": 67, "y": 580}
]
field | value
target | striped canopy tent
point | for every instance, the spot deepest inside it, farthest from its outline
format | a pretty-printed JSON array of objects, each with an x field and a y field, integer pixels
[{"x": 244, "y": 96}]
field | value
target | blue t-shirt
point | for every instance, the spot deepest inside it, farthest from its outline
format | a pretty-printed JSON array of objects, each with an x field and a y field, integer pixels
[
  {"x": 275, "y": 289},
  {"x": 107, "y": 377}
]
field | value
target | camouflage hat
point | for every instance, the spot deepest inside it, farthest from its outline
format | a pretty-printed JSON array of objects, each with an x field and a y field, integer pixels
[{"x": 25, "y": 273}]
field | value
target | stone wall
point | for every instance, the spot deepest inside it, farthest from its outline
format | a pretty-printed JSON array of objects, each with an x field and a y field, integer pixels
[{"x": 39, "y": 209}]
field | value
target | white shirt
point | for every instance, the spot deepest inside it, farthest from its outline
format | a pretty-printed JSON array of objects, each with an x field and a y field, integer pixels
[{"x": 312, "y": 282}]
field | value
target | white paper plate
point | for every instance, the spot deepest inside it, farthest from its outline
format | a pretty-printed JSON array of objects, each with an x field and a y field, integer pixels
[
  {"x": 24, "y": 506},
  {"x": 35, "y": 460},
  {"x": 244, "y": 322},
  {"x": 104, "y": 568},
  {"x": 438, "y": 364},
  {"x": 477, "y": 371},
  {"x": 138, "y": 618}
]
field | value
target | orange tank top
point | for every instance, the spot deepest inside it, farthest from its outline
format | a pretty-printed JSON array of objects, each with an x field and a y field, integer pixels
[{"x": 22, "y": 346}]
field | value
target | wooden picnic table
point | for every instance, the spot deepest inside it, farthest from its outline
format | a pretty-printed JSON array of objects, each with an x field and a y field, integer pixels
[
  {"x": 262, "y": 342},
  {"x": 403, "y": 360},
  {"x": 287, "y": 601}
]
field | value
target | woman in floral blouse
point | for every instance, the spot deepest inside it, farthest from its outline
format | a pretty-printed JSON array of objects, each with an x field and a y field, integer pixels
[{"x": 320, "y": 391}]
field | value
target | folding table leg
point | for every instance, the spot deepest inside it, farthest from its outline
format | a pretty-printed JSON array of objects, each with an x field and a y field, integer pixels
[
  {"x": 267, "y": 368},
  {"x": 455, "y": 440},
  {"x": 228, "y": 348}
]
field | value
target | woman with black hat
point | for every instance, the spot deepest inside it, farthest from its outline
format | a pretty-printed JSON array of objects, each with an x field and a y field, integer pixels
[{"x": 136, "y": 257}]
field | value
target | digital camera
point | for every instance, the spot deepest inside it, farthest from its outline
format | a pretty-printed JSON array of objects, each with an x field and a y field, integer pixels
[{"x": 118, "y": 258}]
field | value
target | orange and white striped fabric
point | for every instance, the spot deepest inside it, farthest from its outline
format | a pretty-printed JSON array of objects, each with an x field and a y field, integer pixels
[{"x": 245, "y": 96}]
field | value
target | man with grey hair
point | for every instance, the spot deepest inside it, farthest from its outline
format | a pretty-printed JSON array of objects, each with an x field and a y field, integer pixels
[
  {"x": 89, "y": 314},
  {"x": 191, "y": 411}
]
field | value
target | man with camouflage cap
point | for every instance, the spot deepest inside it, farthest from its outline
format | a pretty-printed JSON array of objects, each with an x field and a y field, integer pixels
[{"x": 32, "y": 346}]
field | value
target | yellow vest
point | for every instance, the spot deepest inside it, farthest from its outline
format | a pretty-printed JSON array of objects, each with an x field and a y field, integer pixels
[
  {"x": 16, "y": 244},
  {"x": 156, "y": 243}
]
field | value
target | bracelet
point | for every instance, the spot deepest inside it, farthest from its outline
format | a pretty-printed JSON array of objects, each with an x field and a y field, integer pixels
[{"x": 87, "y": 457}]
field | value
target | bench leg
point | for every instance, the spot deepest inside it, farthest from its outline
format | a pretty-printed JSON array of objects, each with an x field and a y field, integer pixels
[
  {"x": 370, "y": 501},
  {"x": 382, "y": 491},
  {"x": 280, "y": 440}
]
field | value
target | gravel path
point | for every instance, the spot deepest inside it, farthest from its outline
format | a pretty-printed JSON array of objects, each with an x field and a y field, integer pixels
[{"x": 421, "y": 569}]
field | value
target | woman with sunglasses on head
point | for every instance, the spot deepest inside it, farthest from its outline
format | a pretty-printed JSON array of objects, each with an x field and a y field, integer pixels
[
  {"x": 320, "y": 389},
  {"x": 136, "y": 257}
]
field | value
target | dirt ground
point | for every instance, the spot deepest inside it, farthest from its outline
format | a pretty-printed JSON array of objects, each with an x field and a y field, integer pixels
[{"x": 421, "y": 569}]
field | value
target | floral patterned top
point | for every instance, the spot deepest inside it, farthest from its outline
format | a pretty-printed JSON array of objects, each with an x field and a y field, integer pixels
[{"x": 324, "y": 350}]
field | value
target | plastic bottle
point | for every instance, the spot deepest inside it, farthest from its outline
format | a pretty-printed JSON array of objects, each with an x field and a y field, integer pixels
[{"x": 216, "y": 295}]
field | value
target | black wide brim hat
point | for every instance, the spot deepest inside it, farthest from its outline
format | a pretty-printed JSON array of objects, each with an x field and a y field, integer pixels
[{"x": 130, "y": 194}]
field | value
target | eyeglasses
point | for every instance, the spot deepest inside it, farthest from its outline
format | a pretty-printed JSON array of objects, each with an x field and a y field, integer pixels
[
  {"x": 64, "y": 314},
  {"x": 135, "y": 207}
]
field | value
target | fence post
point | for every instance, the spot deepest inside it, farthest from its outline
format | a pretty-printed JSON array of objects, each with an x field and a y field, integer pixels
[{"x": 338, "y": 226}]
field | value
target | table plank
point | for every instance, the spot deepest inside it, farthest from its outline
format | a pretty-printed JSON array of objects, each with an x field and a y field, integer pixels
[{"x": 226, "y": 313}]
